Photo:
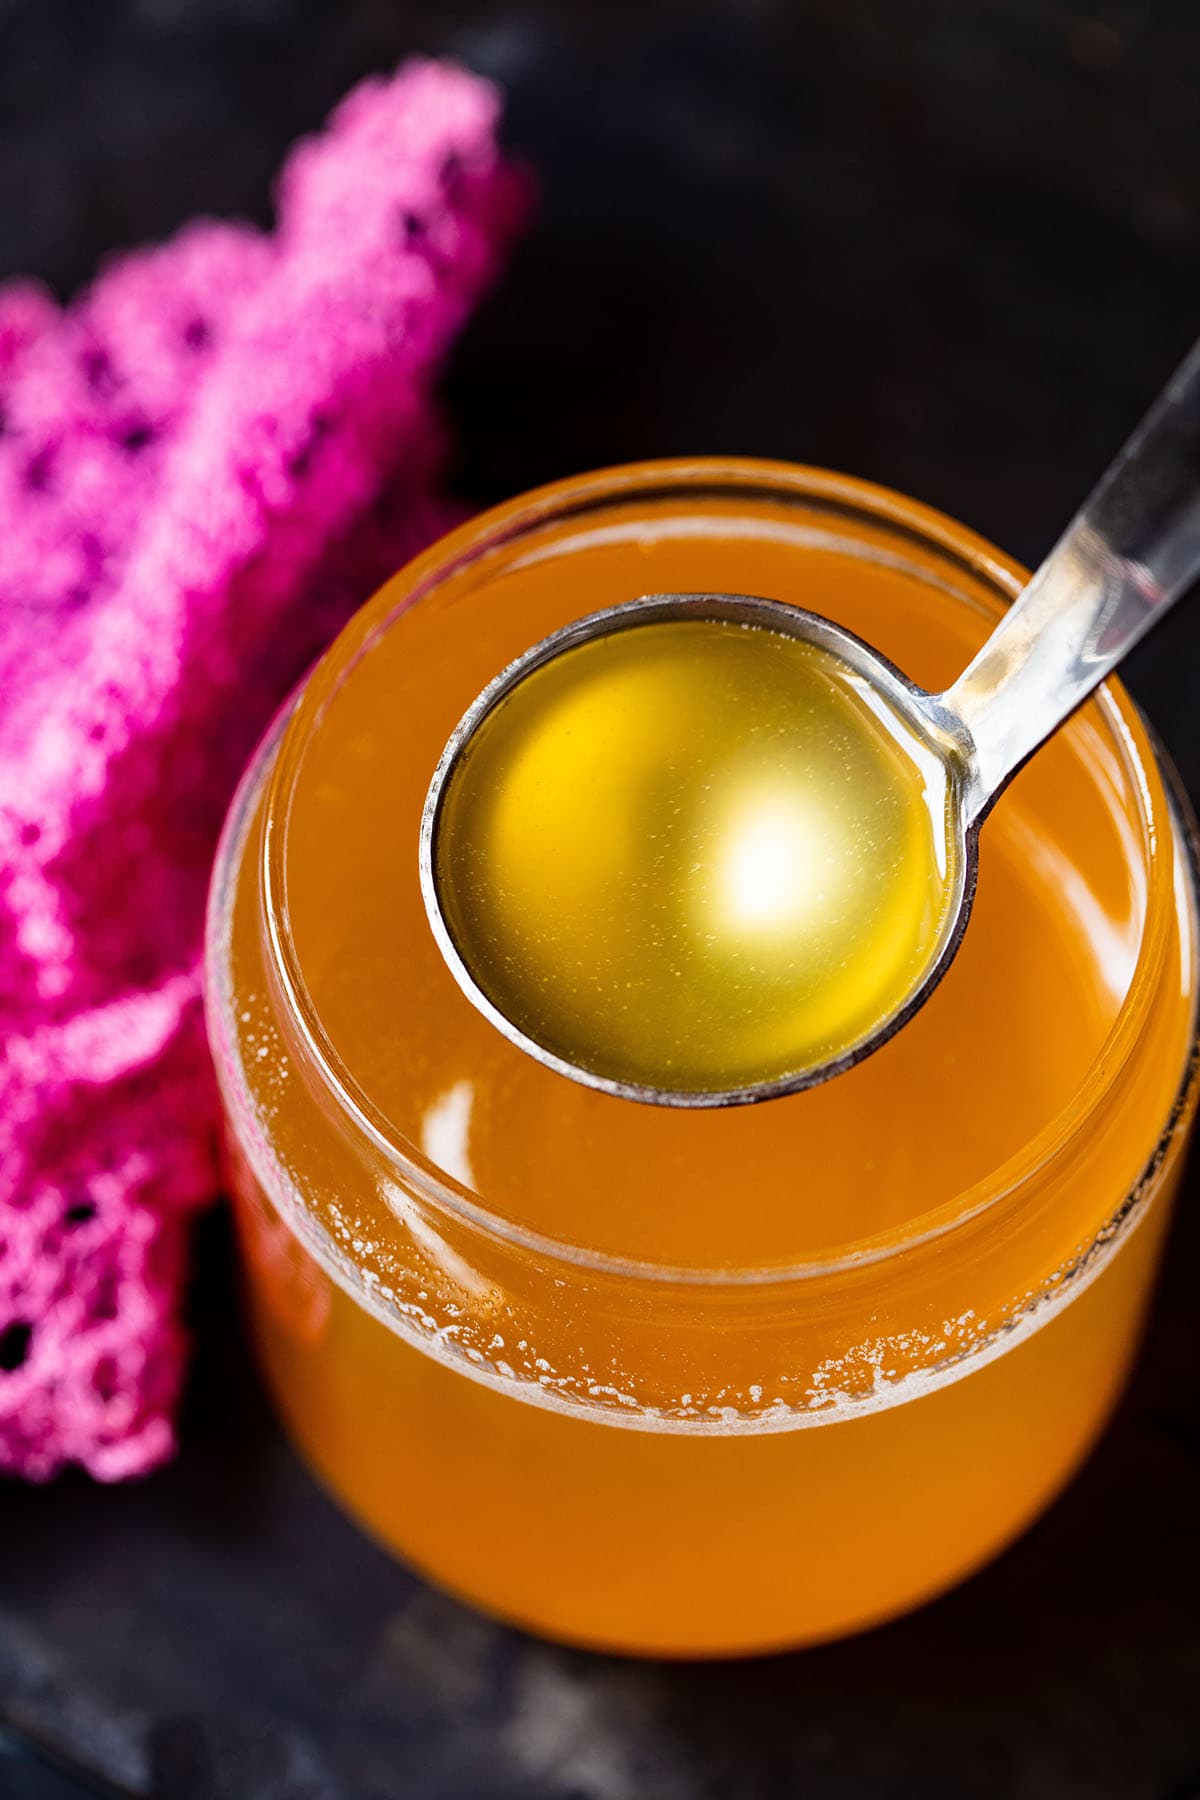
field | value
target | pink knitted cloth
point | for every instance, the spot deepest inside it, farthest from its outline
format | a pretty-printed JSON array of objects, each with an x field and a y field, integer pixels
[{"x": 205, "y": 463}]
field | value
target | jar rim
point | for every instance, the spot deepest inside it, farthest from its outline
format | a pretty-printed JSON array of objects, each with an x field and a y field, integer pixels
[{"x": 578, "y": 496}]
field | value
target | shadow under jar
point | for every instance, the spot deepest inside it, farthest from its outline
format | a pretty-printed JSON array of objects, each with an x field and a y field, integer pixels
[{"x": 678, "y": 1382}]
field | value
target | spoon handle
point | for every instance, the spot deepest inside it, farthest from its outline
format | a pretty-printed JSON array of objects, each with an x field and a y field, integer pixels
[{"x": 1126, "y": 557}]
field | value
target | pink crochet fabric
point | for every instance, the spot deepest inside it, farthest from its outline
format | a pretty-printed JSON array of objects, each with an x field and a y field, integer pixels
[{"x": 205, "y": 463}]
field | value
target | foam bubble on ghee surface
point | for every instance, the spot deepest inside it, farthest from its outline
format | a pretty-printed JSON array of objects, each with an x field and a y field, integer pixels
[{"x": 695, "y": 855}]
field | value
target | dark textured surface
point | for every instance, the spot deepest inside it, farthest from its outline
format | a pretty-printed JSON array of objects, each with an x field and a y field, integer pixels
[{"x": 955, "y": 248}]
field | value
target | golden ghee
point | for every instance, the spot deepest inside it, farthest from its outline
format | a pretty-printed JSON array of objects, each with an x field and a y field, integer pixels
[{"x": 695, "y": 855}]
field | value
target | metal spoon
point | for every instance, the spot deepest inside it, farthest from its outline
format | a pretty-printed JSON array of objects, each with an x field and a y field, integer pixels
[{"x": 1127, "y": 556}]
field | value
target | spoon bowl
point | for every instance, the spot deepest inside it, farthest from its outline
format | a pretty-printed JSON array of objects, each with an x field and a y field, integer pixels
[{"x": 915, "y": 715}]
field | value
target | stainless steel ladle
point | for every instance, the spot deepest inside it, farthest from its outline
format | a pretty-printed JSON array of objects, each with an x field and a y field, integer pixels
[{"x": 1130, "y": 552}]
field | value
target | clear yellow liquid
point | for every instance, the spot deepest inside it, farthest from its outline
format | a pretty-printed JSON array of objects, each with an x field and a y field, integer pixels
[{"x": 695, "y": 854}]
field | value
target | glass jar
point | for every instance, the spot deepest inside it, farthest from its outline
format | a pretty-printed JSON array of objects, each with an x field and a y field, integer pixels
[{"x": 694, "y": 1384}]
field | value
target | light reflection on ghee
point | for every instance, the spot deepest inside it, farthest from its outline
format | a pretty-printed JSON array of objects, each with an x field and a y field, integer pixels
[
  {"x": 783, "y": 865},
  {"x": 695, "y": 855}
]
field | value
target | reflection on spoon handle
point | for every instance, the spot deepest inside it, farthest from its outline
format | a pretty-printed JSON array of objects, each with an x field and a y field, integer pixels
[{"x": 1127, "y": 556}]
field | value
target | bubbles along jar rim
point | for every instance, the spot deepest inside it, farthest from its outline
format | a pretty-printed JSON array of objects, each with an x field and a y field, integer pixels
[{"x": 688, "y": 480}]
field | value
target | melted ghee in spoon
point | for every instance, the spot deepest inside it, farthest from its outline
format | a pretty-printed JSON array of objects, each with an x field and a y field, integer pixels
[{"x": 695, "y": 855}]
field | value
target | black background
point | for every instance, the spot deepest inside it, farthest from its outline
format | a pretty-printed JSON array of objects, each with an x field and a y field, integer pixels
[{"x": 953, "y": 245}]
